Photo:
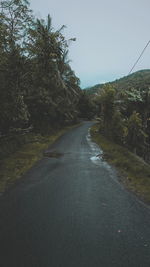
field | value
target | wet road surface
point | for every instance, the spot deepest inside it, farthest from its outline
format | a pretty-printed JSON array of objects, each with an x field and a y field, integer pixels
[{"x": 70, "y": 211}]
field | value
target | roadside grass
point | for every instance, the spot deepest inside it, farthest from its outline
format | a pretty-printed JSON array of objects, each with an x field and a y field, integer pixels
[
  {"x": 15, "y": 165},
  {"x": 134, "y": 172}
]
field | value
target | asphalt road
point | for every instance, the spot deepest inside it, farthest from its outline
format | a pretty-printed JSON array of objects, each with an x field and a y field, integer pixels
[{"x": 71, "y": 211}]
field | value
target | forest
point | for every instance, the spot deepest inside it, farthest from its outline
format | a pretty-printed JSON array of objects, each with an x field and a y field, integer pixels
[
  {"x": 123, "y": 108},
  {"x": 39, "y": 89}
]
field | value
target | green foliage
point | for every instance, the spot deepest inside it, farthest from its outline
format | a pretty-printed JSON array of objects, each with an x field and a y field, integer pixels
[
  {"x": 38, "y": 86},
  {"x": 138, "y": 80},
  {"x": 119, "y": 129},
  {"x": 125, "y": 113},
  {"x": 107, "y": 98},
  {"x": 55, "y": 88},
  {"x": 134, "y": 172},
  {"x": 136, "y": 135},
  {"x": 13, "y": 110},
  {"x": 112, "y": 122},
  {"x": 86, "y": 106},
  {"x": 94, "y": 89}
]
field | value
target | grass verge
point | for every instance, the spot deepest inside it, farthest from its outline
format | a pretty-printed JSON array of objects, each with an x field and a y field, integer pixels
[
  {"x": 134, "y": 172},
  {"x": 15, "y": 165}
]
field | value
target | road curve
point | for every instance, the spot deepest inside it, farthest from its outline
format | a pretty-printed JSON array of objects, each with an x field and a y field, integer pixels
[{"x": 70, "y": 211}]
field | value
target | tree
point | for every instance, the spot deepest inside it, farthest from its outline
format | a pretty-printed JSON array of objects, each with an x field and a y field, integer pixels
[
  {"x": 55, "y": 89},
  {"x": 119, "y": 128},
  {"x": 14, "y": 18},
  {"x": 136, "y": 135},
  {"x": 38, "y": 86},
  {"x": 87, "y": 107},
  {"x": 107, "y": 99}
]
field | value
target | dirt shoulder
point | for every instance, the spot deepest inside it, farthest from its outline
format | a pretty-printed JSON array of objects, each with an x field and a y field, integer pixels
[{"x": 17, "y": 164}]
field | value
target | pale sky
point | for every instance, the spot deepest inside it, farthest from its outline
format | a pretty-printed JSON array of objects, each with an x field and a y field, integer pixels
[{"x": 110, "y": 35}]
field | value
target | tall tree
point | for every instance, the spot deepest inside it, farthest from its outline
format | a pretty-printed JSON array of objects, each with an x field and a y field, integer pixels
[
  {"x": 14, "y": 19},
  {"x": 51, "y": 83}
]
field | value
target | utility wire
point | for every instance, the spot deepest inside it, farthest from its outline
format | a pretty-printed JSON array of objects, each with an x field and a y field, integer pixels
[{"x": 139, "y": 57}]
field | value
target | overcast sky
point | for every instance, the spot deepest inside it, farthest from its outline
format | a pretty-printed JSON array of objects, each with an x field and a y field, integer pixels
[{"x": 110, "y": 35}]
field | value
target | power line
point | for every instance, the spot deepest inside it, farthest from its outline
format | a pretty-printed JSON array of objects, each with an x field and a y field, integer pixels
[{"x": 139, "y": 57}]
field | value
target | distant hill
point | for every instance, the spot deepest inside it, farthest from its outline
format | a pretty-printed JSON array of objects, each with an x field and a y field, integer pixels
[
  {"x": 94, "y": 89},
  {"x": 138, "y": 80}
]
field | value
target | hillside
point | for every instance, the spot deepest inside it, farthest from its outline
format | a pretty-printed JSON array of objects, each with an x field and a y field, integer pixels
[{"x": 139, "y": 79}]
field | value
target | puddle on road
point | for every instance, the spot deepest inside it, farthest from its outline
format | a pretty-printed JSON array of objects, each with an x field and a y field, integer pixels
[
  {"x": 97, "y": 152},
  {"x": 52, "y": 154},
  {"x": 98, "y": 159}
]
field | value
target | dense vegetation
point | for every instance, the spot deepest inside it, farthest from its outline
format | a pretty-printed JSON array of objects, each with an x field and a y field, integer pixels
[
  {"x": 38, "y": 87},
  {"x": 137, "y": 80},
  {"x": 124, "y": 110},
  {"x": 40, "y": 90}
]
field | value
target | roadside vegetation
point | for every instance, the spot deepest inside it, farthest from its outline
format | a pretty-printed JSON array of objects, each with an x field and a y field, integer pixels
[
  {"x": 39, "y": 91},
  {"x": 38, "y": 87},
  {"x": 123, "y": 130},
  {"x": 133, "y": 172},
  {"x": 14, "y": 166},
  {"x": 124, "y": 116}
]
